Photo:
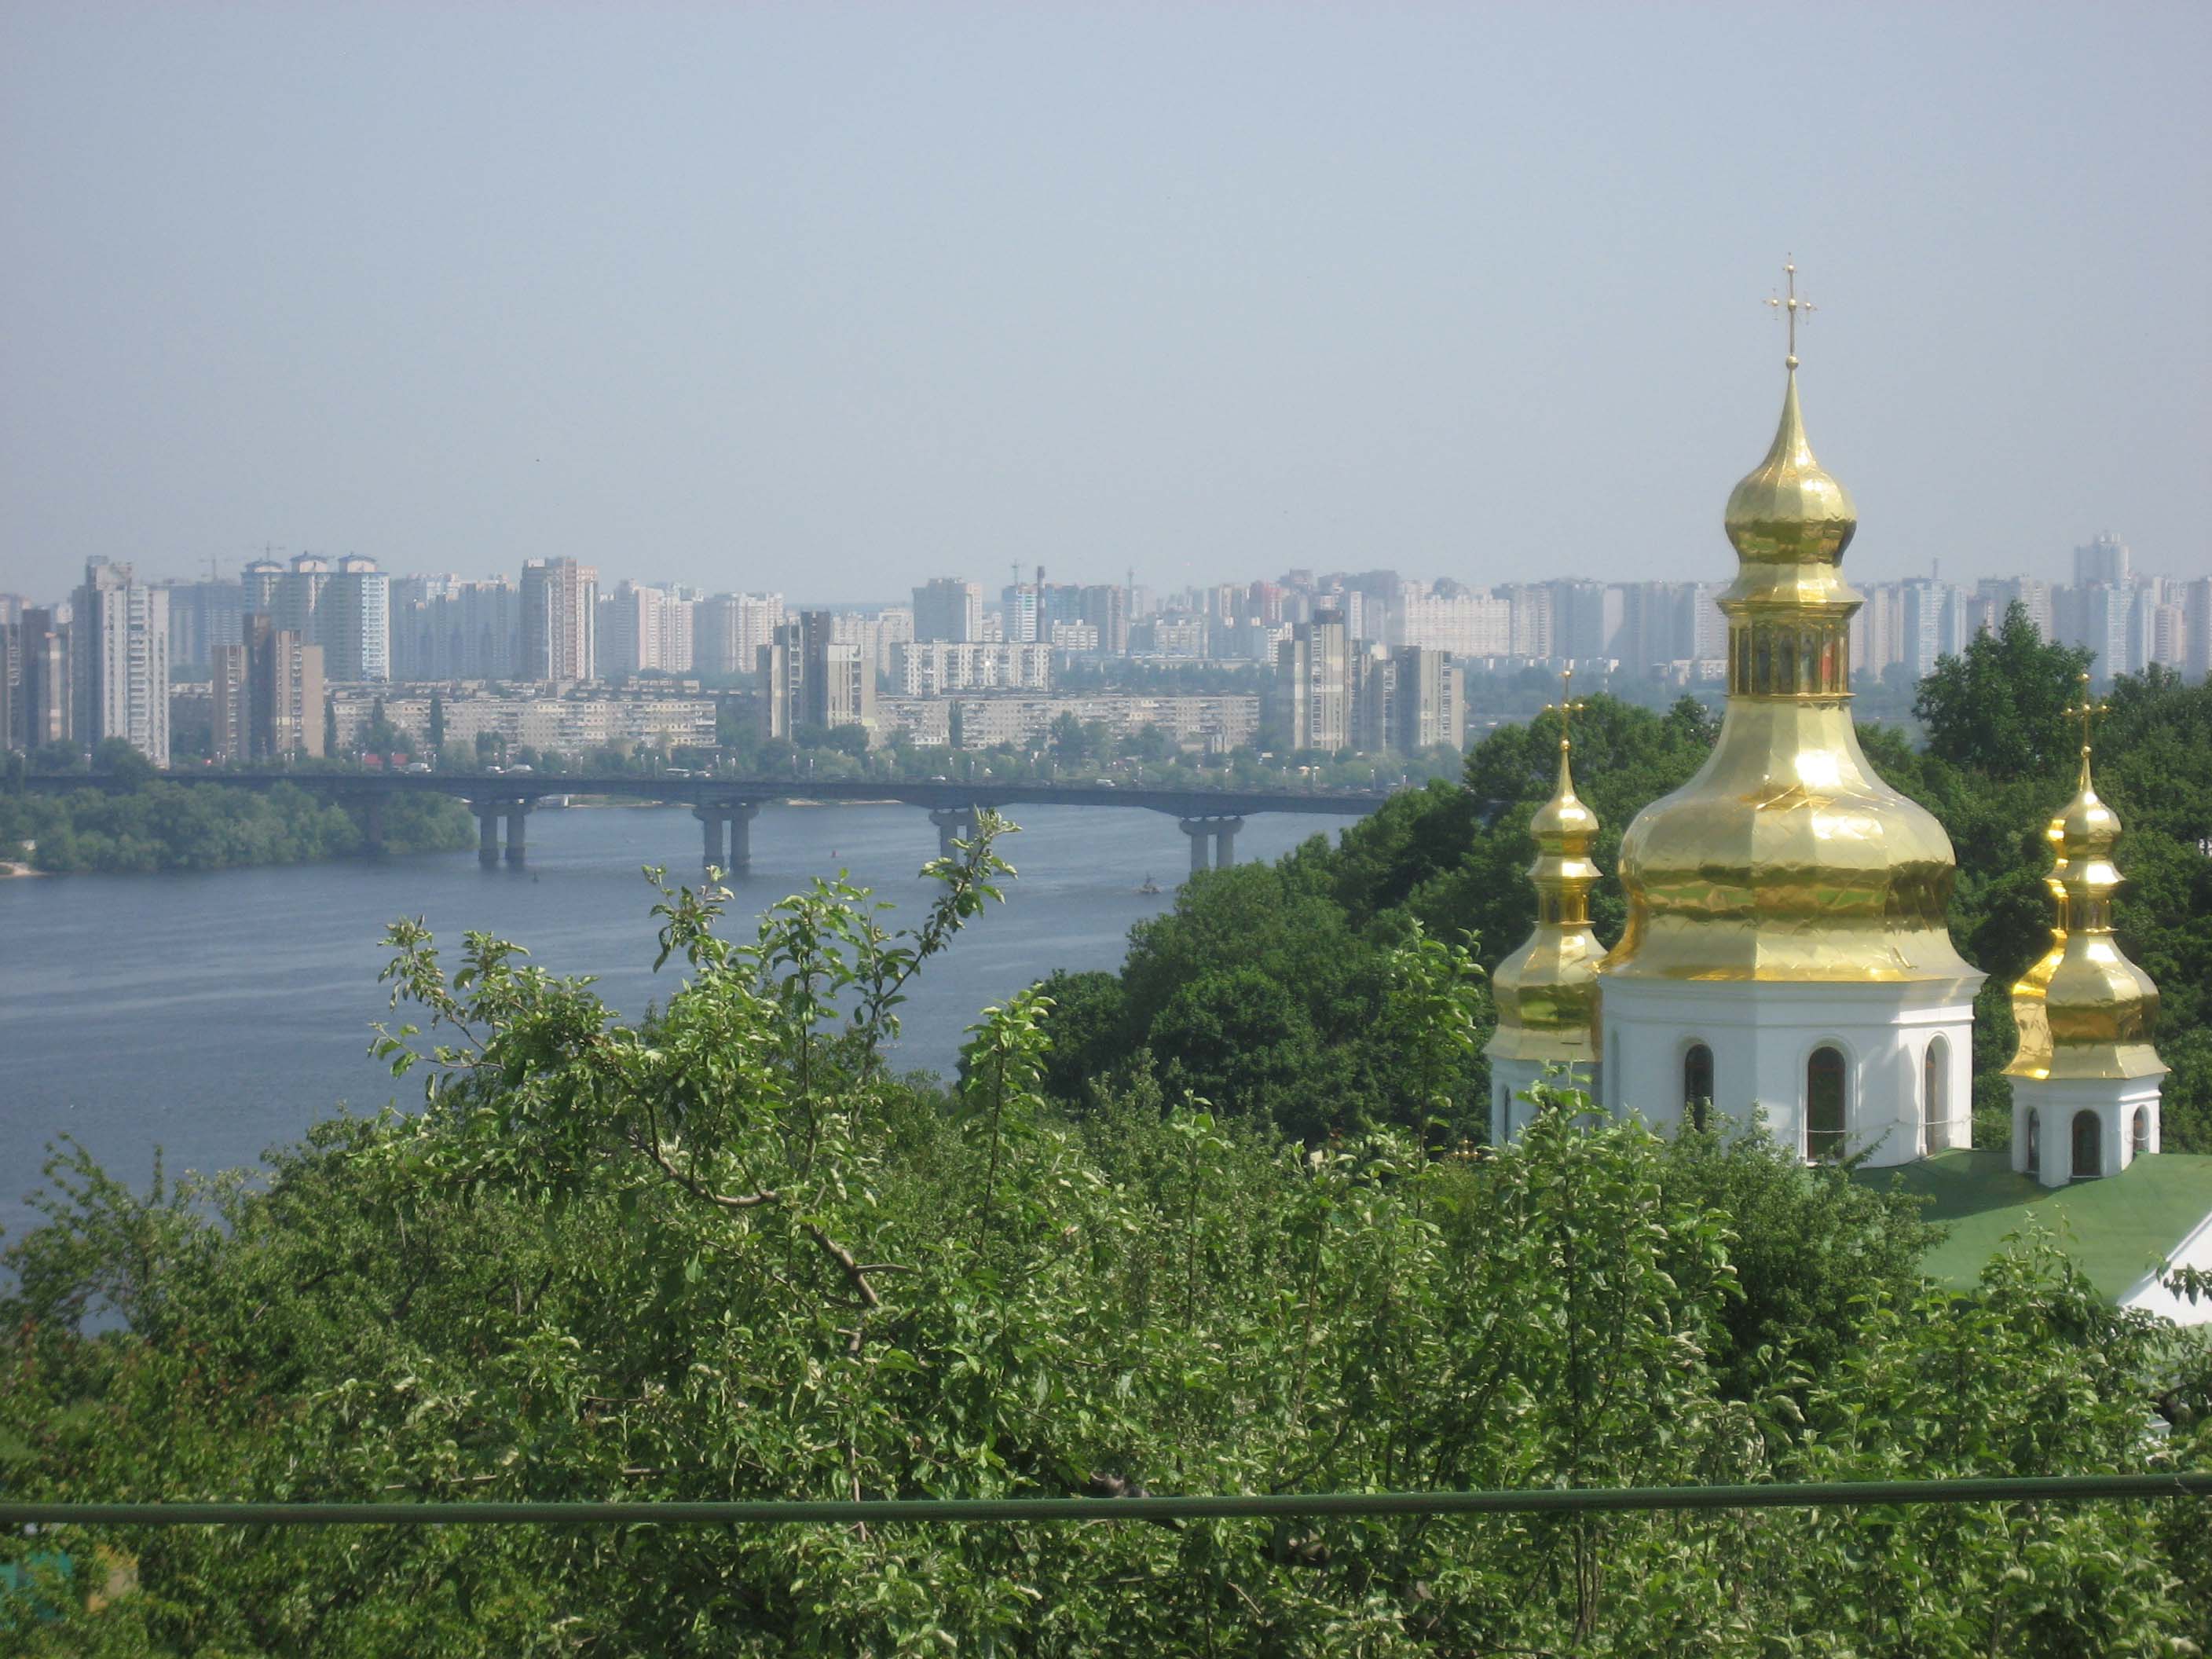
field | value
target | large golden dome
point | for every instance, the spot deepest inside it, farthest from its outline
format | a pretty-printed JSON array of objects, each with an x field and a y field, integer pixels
[{"x": 1786, "y": 858}]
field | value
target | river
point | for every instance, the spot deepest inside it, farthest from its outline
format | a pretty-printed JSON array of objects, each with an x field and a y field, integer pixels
[{"x": 215, "y": 1015}]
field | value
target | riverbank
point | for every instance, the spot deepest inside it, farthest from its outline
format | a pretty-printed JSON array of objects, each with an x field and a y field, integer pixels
[{"x": 162, "y": 827}]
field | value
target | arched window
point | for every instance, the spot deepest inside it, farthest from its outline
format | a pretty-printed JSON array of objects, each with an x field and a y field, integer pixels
[
  {"x": 1502, "y": 1131},
  {"x": 2034, "y": 1142},
  {"x": 2087, "y": 1133},
  {"x": 1935, "y": 1107},
  {"x": 2142, "y": 1131},
  {"x": 1824, "y": 1104},
  {"x": 1697, "y": 1085}
]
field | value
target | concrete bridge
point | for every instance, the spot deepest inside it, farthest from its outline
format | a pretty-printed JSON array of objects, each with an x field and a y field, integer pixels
[{"x": 725, "y": 807}]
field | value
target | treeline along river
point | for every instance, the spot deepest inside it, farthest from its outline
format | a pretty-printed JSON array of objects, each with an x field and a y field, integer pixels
[{"x": 213, "y": 1015}]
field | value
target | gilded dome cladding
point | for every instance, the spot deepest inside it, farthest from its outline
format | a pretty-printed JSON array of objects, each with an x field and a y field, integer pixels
[
  {"x": 1547, "y": 991},
  {"x": 1786, "y": 510},
  {"x": 2099, "y": 1012},
  {"x": 1787, "y": 858}
]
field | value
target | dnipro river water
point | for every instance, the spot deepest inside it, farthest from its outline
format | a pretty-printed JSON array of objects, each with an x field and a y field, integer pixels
[{"x": 216, "y": 1015}]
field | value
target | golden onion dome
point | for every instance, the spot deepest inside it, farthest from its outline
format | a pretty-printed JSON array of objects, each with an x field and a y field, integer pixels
[
  {"x": 1786, "y": 857},
  {"x": 2099, "y": 1010},
  {"x": 2031, "y": 1057},
  {"x": 1547, "y": 991},
  {"x": 1787, "y": 511}
]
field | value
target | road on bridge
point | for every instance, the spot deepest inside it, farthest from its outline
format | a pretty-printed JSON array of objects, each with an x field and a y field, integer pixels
[{"x": 726, "y": 806}]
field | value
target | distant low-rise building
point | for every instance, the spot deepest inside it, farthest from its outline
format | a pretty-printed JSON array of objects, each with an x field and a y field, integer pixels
[
  {"x": 1215, "y": 723},
  {"x": 936, "y": 668},
  {"x": 567, "y": 726}
]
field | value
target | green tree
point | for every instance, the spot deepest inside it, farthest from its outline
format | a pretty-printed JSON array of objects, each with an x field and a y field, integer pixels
[
  {"x": 118, "y": 758},
  {"x": 1998, "y": 708}
]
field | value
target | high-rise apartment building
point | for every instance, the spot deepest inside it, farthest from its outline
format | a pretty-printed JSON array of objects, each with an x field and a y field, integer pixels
[
  {"x": 9, "y": 738},
  {"x": 230, "y": 703},
  {"x": 633, "y": 627},
  {"x": 283, "y": 693},
  {"x": 353, "y": 620},
  {"x": 1453, "y": 618},
  {"x": 1021, "y": 609},
  {"x": 1999, "y": 595},
  {"x": 679, "y": 620},
  {"x": 1586, "y": 618},
  {"x": 445, "y": 629},
  {"x": 120, "y": 635},
  {"x": 1936, "y": 622},
  {"x": 945, "y": 608},
  {"x": 2099, "y": 617},
  {"x": 2197, "y": 628},
  {"x": 2104, "y": 560},
  {"x": 202, "y": 615},
  {"x": 811, "y": 678},
  {"x": 1531, "y": 633},
  {"x": 1313, "y": 684},
  {"x": 730, "y": 629},
  {"x": 1105, "y": 607},
  {"x": 560, "y": 616},
  {"x": 297, "y": 593},
  {"x": 44, "y": 681},
  {"x": 259, "y": 580},
  {"x": 931, "y": 670},
  {"x": 1426, "y": 708}
]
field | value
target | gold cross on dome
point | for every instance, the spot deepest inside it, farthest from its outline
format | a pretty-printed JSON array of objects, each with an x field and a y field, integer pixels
[
  {"x": 2087, "y": 711},
  {"x": 1789, "y": 305},
  {"x": 1566, "y": 707}
]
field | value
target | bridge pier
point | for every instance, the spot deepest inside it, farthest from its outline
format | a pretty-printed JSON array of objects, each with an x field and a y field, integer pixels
[
  {"x": 372, "y": 826},
  {"x": 734, "y": 818},
  {"x": 953, "y": 824},
  {"x": 1225, "y": 842},
  {"x": 489, "y": 813},
  {"x": 1221, "y": 832},
  {"x": 1199, "y": 833}
]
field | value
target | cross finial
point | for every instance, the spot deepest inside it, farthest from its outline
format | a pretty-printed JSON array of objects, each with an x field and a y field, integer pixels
[
  {"x": 1788, "y": 305},
  {"x": 1566, "y": 707},
  {"x": 2088, "y": 711}
]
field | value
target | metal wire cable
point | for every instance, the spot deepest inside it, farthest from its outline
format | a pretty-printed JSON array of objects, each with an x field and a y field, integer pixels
[{"x": 1838, "y": 1494}]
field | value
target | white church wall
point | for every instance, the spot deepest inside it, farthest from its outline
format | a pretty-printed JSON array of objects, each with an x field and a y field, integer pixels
[{"x": 1763, "y": 1037}]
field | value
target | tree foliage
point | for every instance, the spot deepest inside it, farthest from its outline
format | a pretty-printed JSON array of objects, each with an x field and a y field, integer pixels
[
  {"x": 724, "y": 1252},
  {"x": 157, "y": 825}
]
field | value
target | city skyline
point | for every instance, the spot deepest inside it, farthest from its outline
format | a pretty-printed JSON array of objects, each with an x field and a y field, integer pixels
[{"x": 874, "y": 297}]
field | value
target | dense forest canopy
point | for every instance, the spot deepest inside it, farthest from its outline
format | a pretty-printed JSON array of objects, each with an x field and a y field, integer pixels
[{"x": 726, "y": 1250}]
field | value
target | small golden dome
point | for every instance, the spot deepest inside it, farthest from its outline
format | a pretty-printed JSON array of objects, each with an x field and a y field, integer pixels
[
  {"x": 2032, "y": 1056},
  {"x": 2099, "y": 1012},
  {"x": 1564, "y": 818},
  {"x": 1787, "y": 510},
  {"x": 1547, "y": 991}
]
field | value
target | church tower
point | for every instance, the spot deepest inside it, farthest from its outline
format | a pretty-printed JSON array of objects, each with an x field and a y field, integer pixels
[
  {"x": 2085, "y": 1088},
  {"x": 1787, "y": 952},
  {"x": 1547, "y": 991}
]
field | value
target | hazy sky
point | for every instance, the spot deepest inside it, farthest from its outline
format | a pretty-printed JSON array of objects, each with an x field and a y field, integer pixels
[{"x": 832, "y": 299}]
